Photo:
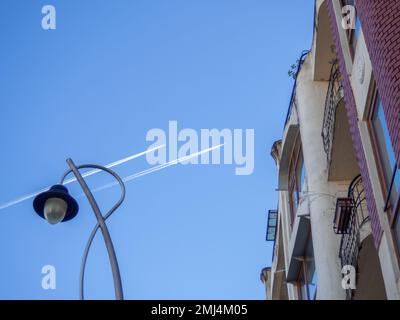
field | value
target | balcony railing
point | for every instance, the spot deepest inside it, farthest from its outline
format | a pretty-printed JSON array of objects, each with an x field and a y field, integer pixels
[
  {"x": 272, "y": 228},
  {"x": 334, "y": 96},
  {"x": 300, "y": 62},
  {"x": 351, "y": 215}
]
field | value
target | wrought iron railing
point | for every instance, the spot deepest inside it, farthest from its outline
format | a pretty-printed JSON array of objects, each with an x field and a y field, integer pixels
[
  {"x": 351, "y": 236},
  {"x": 300, "y": 62},
  {"x": 334, "y": 96}
]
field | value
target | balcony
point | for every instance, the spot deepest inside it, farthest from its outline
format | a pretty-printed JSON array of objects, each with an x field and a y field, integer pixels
[
  {"x": 300, "y": 62},
  {"x": 323, "y": 41},
  {"x": 334, "y": 96},
  {"x": 337, "y": 141},
  {"x": 351, "y": 221}
]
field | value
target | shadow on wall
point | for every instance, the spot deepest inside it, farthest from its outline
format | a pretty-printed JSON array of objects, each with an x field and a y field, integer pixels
[{"x": 370, "y": 285}]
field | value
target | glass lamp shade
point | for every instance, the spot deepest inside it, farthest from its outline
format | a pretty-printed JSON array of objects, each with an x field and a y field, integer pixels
[
  {"x": 56, "y": 205},
  {"x": 55, "y": 210}
]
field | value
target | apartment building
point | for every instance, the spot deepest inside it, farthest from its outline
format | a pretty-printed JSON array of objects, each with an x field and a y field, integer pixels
[{"x": 336, "y": 230}]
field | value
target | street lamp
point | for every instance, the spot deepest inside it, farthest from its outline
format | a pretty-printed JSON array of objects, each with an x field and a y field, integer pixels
[{"x": 57, "y": 205}]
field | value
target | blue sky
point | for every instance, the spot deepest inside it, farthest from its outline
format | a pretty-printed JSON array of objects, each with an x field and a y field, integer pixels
[{"x": 92, "y": 89}]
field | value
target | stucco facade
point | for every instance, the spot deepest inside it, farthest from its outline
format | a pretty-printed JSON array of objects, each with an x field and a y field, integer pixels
[{"x": 337, "y": 231}]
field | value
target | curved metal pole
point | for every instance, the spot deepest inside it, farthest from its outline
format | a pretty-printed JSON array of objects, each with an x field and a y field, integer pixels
[
  {"x": 96, "y": 228},
  {"x": 94, "y": 231},
  {"x": 100, "y": 224}
]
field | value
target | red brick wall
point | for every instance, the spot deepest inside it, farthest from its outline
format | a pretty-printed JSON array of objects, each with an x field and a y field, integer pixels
[
  {"x": 353, "y": 124},
  {"x": 380, "y": 21}
]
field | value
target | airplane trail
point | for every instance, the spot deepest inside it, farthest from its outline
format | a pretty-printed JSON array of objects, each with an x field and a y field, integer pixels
[
  {"x": 157, "y": 168},
  {"x": 85, "y": 174}
]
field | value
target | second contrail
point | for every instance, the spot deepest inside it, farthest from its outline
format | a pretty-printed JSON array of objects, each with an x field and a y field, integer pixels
[{"x": 159, "y": 167}]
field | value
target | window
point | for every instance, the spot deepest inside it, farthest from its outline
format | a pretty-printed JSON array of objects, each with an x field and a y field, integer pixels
[
  {"x": 386, "y": 162},
  {"x": 272, "y": 225},
  {"x": 296, "y": 177},
  {"x": 307, "y": 279},
  {"x": 386, "y": 153}
]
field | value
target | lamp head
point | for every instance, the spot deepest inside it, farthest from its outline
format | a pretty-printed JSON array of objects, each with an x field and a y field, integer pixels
[{"x": 56, "y": 205}]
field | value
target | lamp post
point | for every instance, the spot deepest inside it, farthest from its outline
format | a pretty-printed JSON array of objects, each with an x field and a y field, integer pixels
[{"x": 57, "y": 205}]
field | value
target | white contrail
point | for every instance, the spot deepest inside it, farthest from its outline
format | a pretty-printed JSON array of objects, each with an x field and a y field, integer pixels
[
  {"x": 23, "y": 198},
  {"x": 86, "y": 174},
  {"x": 157, "y": 168},
  {"x": 116, "y": 163}
]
